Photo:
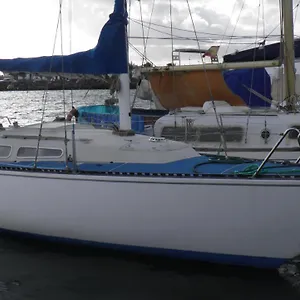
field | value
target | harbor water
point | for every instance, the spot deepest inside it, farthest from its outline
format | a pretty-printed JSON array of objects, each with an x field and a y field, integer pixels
[{"x": 31, "y": 269}]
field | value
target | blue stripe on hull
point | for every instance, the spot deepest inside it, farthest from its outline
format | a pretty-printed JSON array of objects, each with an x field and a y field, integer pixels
[
  {"x": 190, "y": 166},
  {"x": 238, "y": 260}
]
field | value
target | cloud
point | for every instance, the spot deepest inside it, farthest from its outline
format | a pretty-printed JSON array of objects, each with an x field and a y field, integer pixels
[
  {"x": 231, "y": 24},
  {"x": 216, "y": 22}
]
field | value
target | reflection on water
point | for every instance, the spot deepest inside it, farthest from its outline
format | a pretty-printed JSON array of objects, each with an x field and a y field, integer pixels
[
  {"x": 36, "y": 270},
  {"x": 26, "y": 107}
]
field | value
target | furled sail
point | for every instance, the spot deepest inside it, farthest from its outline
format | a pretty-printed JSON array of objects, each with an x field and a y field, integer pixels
[
  {"x": 265, "y": 52},
  {"x": 240, "y": 81},
  {"x": 108, "y": 57}
]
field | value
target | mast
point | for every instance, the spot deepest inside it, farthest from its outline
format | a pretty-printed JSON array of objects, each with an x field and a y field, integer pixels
[
  {"x": 289, "y": 53},
  {"x": 124, "y": 93}
]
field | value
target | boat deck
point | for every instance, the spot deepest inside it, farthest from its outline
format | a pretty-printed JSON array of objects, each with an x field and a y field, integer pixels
[{"x": 202, "y": 166}]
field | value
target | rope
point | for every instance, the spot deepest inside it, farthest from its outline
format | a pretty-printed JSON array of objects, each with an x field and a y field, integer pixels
[{"x": 250, "y": 169}]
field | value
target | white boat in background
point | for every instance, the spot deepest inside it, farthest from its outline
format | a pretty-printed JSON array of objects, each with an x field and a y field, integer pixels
[
  {"x": 232, "y": 108},
  {"x": 118, "y": 189},
  {"x": 247, "y": 132}
]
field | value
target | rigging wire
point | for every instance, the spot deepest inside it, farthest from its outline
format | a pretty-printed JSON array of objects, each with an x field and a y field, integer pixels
[
  {"x": 198, "y": 32},
  {"x": 172, "y": 56},
  {"x": 45, "y": 94},
  {"x": 141, "y": 54},
  {"x": 257, "y": 26},
  {"x": 74, "y": 158},
  {"x": 171, "y": 30},
  {"x": 143, "y": 31},
  {"x": 229, "y": 19},
  {"x": 296, "y": 10},
  {"x": 129, "y": 14},
  {"x": 264, "y": 33},
  {"x": 70, "y": 38},
  {"x": 252, "y": 78},
  {"x": 204, "y": 40},
  {"x": 219, "y": 122},
  {"x": 265, "y": 78},
  {"x": 278, "y": 25},
  {"x": 208, "y": 40},
  {"x": 234, "y": 28},
  {"x": 281, "y": 55},
  {"x": 150, "y": 21},
  {"x": 63, "y": 88},
  {"x": 213, "y": 36},
  {"x": 144, "y": 55}
]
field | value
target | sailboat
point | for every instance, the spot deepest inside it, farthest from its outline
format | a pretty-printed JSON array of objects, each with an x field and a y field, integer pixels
[
  {"x": 236, "y": 94},
  {"x": 117, "y": 189}
]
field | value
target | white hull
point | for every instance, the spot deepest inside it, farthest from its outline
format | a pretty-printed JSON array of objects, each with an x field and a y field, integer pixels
[{"x": 250, "y": 222}]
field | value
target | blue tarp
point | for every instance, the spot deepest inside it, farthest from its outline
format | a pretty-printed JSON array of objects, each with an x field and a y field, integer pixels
[
  {"x": 108, "y": 57},
  {"x": 256, "y": 79},
  {"x": 106, "y": 120},
  {"x": 267, "y": 52}
]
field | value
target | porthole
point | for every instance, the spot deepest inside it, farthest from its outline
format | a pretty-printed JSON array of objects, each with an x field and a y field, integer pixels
[{"x": 265, "y": 134}]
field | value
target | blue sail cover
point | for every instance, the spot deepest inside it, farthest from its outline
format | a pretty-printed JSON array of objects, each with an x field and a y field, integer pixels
[
  {"x": 108, "y": 57},
  {"x": 267, "y": 52},
  {"x": 256, "y": 79}
]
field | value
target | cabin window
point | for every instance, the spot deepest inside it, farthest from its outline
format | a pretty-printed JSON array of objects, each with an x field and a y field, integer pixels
[
  {"x": 203, "y": 134},
  {"x": 179, "y": 133},
  {"x": 43, "y": 152},
  {"x": 293, "y": 134},
  {"x": 5, "y": 151}
]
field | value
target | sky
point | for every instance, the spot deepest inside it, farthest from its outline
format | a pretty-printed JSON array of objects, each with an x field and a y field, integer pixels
[{"x": 28, "y": 27}]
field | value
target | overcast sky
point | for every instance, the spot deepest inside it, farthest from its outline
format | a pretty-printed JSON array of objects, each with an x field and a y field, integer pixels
[{"x": 28, "y": 27}]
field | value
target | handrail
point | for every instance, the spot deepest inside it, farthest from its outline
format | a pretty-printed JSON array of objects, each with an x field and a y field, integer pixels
[
  {"x": 6, "y": 117},
  {"x": 275, "y": 147}
]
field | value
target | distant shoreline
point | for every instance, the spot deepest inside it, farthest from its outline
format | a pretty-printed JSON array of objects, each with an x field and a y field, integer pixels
[{"x": 24, "y": 85}]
